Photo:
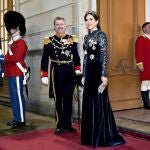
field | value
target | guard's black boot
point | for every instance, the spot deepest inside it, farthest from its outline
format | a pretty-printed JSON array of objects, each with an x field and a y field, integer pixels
[
  {"x": 146, "y": 100},
  {"x": 19, "y": 125},
  {"x": 10, "y": 123}
]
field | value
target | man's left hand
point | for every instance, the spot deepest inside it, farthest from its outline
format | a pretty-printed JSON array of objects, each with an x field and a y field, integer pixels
[{"x": 78, "y": 72}]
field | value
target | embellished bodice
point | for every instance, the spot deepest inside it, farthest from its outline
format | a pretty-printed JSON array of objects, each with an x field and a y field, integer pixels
[{"x": 95, "y": 49}]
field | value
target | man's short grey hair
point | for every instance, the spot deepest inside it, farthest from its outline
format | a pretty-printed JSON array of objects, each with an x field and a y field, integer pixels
[{"x": 59, "y": 18}]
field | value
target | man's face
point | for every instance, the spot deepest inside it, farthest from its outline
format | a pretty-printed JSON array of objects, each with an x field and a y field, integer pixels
[
  {"x": 13, "y": 31},
  {"x": 60, "y": 27},
  {"x": 147, "y": 29}
]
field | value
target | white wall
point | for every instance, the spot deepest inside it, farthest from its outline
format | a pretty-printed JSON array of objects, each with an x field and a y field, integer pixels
[
  {"x": 39, "y": 15},
  {"x": 82, "y": 7},
  {"x": 147, "y": 11},
  {"x": 93, "y": 5}
]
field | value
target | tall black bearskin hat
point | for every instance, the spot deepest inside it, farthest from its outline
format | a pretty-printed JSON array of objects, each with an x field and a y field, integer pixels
[{"x": 13, "y": 19}]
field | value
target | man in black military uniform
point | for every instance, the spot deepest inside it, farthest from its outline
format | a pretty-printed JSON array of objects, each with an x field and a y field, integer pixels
[{"x": 65, "y": 65}]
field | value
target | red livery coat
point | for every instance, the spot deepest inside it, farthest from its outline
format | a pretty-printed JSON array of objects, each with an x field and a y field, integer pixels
[
  {"x": 142, "y": 54},
  {"x": 19, "y": 50}
]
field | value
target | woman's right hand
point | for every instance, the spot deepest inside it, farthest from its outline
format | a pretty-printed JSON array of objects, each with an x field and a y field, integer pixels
[{"x": 104, "y": 80}]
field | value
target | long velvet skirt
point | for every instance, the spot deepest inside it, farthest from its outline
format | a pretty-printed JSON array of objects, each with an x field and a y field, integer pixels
[{"x": 98, "y": 126}]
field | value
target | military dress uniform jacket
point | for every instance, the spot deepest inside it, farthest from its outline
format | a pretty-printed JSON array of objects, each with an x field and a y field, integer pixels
[
  {"x": 19, "y": 49},
  {"x": 61, "y": 51},
  {"x": 142, "y": 54}
]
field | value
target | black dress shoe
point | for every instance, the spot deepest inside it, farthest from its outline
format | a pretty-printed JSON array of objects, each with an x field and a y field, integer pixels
[
  {"x": 146, "y": 107},
  {"x": 70, "y": 129},
  {"x": 10, "y": 123},
  {"x": 19, "y": 125},
  {"x": 58, "y": 131}
]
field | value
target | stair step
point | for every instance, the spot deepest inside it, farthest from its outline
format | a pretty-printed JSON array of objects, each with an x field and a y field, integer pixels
[{"x": 135, "y": 128}]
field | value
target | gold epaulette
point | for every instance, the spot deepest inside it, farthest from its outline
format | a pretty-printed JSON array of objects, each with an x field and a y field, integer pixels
[
  {"x": 46, "y": 40},
  {"x": 75, "y": 38}
]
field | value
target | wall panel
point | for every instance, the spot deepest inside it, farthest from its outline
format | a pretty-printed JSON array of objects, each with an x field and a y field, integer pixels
[{"x": 122, "y": 20}]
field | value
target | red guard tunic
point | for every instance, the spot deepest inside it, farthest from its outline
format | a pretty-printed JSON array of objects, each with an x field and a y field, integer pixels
[
  {"x": 142, "y": 54},
  {"x": 19, "y": 50}
]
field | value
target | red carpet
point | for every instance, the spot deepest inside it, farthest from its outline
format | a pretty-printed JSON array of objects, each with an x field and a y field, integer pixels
[{"x": 47, "y": 140}]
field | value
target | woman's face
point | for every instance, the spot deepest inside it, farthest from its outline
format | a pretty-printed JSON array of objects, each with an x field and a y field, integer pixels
[{"x": 90, "y": 22}]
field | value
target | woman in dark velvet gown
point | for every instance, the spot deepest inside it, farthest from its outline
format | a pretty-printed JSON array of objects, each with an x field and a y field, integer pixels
[{"x": 98, "y": 127}]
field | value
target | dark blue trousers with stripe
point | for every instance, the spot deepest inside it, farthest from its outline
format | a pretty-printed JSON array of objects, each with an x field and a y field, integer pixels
[{"x": 15, "y": 85}]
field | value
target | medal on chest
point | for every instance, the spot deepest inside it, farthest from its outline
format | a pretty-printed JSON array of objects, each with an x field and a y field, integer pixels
[{"x": 92, "y": 44}]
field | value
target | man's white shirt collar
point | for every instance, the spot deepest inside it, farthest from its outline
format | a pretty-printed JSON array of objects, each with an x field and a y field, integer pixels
[
  {"x": 15, "y": 38},
  {"x": 148, "y": 36}
]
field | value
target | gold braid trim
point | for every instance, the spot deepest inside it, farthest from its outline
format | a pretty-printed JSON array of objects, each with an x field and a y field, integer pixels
[
  {"x": 57, "y": 118},
  {"x": 75, "y": 38},
  {"x": 46, "y": 40}
]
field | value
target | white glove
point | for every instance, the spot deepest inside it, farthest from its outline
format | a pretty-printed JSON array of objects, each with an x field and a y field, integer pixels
[
  {"x": 83, "y": 80},
  {"x": 1, "y": 53},
  {"x": 141, "y": 68},
  {"x": 44, "y": 80},
  {"x": 78, "y": 72},
  {"x": 2, "y": 75}
]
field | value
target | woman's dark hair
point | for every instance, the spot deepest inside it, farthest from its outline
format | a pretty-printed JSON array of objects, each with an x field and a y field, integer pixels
[{"x": 95, "y": 15}]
